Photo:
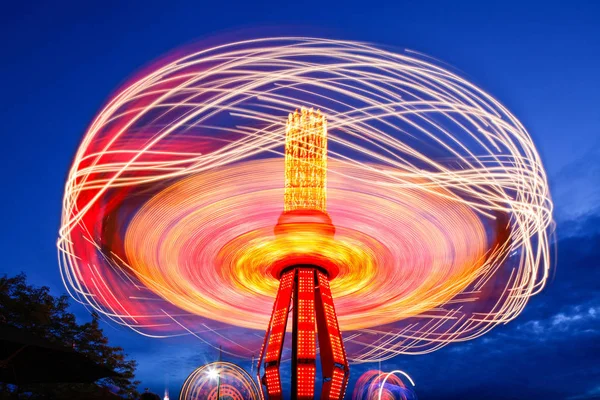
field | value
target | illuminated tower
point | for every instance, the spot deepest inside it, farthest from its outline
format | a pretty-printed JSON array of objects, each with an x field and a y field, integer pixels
[{"x": 304, "y": 279}]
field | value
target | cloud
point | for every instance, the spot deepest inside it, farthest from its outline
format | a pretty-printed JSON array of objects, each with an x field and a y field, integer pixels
[
  {"x": 575, "y": 195},
  {"x": 577, "y": 320},
  {"x": 590, "y": 394}
]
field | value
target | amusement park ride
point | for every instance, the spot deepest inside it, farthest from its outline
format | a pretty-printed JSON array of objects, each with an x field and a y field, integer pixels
[
  {"x": 172, "y": 220},
  {"x": 219, "y": 381},
  {"x": 304, "y": 279}
]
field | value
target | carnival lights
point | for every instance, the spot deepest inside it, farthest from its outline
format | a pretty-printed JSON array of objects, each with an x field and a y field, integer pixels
[
  {"x": 437, "y": 195},
  {"x": 378, "y": 385},
  {"x": 219, "y": 380}
]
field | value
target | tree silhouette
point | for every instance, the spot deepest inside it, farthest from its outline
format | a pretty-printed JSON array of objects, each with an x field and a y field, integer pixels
[
  {"x": 149, "y": 396},
  {"x": 34, "y": 309}
]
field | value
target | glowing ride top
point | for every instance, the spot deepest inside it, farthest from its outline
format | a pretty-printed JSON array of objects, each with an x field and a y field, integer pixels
[
  {"x": 305, "y": 161},
  {"x": 170, "y": 203},
  {"x": 304, "y": 219}
]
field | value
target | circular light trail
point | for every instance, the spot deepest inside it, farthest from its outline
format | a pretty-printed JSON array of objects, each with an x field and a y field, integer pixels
[
  {"x": 436, "y": 191},
  {"x": 377, "y": 385},
  {"x": 219, "y": 380},
  {"x": 417, "y": 249}
]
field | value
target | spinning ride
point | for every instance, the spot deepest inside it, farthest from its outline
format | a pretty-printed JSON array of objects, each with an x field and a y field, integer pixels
[
  {"x": 434, "y": 230},
  {"x": 378, "y": 385},
  {"x": 219, "y": 381}
]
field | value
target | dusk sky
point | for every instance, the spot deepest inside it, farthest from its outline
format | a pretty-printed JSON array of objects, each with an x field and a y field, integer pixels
[{"x": 63, "y": 60}]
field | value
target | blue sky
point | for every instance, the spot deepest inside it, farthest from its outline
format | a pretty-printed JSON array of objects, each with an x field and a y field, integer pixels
[{"x": 62, "y": 60}]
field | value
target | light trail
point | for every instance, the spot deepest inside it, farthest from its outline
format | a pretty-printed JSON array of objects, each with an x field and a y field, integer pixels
[
  {"x": 219, "y": 380},
  {"x": 437, "y": 192},
  {"x": 378, "y": 385}
]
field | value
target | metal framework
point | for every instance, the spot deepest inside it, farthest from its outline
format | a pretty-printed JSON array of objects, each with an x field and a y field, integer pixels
[{"x": 313, "y": 314}]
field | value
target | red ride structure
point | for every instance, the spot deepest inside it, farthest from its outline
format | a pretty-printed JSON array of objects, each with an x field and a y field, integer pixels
[{"x": 304, "y": 278}]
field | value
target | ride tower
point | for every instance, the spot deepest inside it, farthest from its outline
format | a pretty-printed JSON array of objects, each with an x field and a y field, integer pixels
[{"x": 304, "y": 280}]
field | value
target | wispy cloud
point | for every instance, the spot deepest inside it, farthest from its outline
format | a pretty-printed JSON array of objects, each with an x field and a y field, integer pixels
[
  {"x": 581, "y": 319},
  {"x": 576, "y": 188},
  {"x": 590, "y": 394}
]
